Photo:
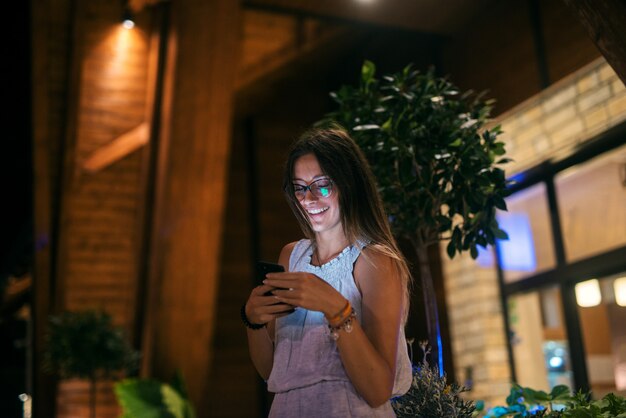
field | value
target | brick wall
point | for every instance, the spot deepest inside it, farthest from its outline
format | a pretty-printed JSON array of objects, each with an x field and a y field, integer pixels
[{"x": 552, "y": 123}]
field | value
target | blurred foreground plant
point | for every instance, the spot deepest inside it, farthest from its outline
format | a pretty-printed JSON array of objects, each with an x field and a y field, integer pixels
[
  {"x": 147, "y": 398},
  {"x": 559, "y": 403}
]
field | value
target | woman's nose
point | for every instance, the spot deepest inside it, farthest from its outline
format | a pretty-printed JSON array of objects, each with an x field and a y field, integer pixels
[{"x": 309, "y": 196}]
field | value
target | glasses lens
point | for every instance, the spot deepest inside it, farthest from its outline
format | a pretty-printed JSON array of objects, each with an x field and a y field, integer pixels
[
  {"x": 322, "y": 188},
  {"x": 299, "y": 191}
]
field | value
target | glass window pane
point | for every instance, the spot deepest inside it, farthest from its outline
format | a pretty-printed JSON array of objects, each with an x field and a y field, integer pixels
[
  {"x": 539, "y": 338},
  {"x": 592, "y": 205},
  {"x": 604, "y": 333},
  {"x": 530, "y": 248}
]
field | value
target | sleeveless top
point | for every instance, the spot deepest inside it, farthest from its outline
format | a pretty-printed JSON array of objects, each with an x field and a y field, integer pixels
[{"x": 304, "y": 352}]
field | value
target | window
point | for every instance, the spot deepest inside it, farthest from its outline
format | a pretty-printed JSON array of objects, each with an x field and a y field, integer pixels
[{"x": 592, "y": 205}]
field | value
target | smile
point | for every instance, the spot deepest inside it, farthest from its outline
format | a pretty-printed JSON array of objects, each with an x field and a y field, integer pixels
[{"x": 317, "y": 211}]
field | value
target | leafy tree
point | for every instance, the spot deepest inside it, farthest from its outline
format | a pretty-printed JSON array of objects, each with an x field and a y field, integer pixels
[
  {"x": 437, "y": 166},
  {"x": 86, "y": 345}
]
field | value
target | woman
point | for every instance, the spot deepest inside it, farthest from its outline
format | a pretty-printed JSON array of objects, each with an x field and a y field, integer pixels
[{"x": 342, "y": 351}]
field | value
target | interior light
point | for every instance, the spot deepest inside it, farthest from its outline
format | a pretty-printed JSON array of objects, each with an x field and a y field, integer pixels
[
  {"x": 619, "y": 287},
  {"x": 127, "y": 19},
  {"x": 556, "y": 362},
  {"x": 588, "y": 293},
  {"x": 518, "y": 253}
]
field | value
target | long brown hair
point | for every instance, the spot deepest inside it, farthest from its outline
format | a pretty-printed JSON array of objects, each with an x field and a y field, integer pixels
[{"x": 362, "y": 215}]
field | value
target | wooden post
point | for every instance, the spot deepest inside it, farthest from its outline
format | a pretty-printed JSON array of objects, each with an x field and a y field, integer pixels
[
  {"x": 604, "y": 20},
  {"x": 193, "y": 149}
]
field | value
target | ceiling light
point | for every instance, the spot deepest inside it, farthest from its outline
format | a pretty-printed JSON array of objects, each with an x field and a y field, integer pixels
[
  {"x": 127, "y": 18},
  {"x": 619, "y": 287},
  {"x": 588, "y": 293}
]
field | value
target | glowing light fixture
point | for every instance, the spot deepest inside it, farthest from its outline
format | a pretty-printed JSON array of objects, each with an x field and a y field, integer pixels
[
  {"x": 588, "y": 293},
  {"x": 556, "y": 362},
  {"x": 619, "y": 287},
  {"x": 127, "y": 18}
]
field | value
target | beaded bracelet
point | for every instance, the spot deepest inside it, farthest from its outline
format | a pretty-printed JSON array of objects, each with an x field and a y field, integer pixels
[
  {"x": 345, "y": 325},
  {"x": 247, "y": 322},
  {"x": 341, "y": 315}
]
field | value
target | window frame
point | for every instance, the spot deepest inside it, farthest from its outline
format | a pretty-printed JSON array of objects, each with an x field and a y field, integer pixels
[{"x": 565, "y": 274}]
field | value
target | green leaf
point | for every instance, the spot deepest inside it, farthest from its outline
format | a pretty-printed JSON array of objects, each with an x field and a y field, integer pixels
[
  {"x": 473, "y": 251},
  {"x": 175, "y": 403},
  {"x": 141, "y": 399},
  {"x": 500, "y": 234},
  {"x": 451, "y": 249},
  {"x": 560, "y": 392},
  {"x": 386, "y": 126},
  {"x": 499, "y": 202},
  {"x": 534, "y": 397},
  {"x": 367, "y": 72},
  {"x": 457, "y": 142}
]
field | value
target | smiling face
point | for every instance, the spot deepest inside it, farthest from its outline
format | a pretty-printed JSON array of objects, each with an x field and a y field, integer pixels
[{"x": 323, "y": 212}]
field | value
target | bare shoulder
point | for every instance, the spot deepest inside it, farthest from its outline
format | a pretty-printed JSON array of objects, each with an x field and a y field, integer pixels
[
  {"x": 285, "y": 254},
  {"x": 375, "y": 269}
]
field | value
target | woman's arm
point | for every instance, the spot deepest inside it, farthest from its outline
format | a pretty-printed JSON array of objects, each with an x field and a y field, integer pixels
[
  {"x": 261, "y": 309},
  {"x": 368, "y": 352}
]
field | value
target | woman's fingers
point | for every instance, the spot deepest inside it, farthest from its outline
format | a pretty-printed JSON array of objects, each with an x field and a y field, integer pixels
[
  {"x": 281, "y": 283},
  {"x": 276, "y": 308},
  {"x": 262, "y": 290}
]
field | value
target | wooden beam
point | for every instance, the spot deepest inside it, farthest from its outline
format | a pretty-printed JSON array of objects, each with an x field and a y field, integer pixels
[
  {"x": 50, "y": 27},
  {"x": 118, "y": 148},
  {"x": 193, "y": 153},
  {"x": 606, "y": 23}
]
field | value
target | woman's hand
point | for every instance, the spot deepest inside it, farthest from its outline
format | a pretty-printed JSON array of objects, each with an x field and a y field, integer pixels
[
  {"x": 305, "y": 290},
  {"x": 262, "y": 307}
]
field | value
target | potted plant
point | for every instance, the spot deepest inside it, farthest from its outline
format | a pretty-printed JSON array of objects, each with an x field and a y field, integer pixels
[
  {"x": 437, "y": 166},
  {"x": 86, "y": 345}
]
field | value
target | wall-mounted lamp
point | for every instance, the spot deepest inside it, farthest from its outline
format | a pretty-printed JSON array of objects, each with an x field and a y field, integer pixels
[
  {"x": 619, "y": 287},
  {"x": 128, "y": 20},
  {"x": 588, "y": 293}
]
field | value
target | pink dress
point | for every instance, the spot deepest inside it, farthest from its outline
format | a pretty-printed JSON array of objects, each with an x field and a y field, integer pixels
[{"x": 308, "y": 377}]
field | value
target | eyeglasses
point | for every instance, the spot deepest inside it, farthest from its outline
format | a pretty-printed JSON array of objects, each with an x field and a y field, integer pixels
[{"x": 319, "y": 188}]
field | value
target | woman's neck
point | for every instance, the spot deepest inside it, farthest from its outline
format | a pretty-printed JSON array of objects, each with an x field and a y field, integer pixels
[{"x": 329, "y": 245}]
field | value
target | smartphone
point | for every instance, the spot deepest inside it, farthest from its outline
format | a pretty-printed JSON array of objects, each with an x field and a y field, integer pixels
[{"x": 264, "y": 267}]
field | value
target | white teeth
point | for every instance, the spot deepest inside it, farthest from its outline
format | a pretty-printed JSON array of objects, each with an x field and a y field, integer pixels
[{"x": 316, "y": 211}]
